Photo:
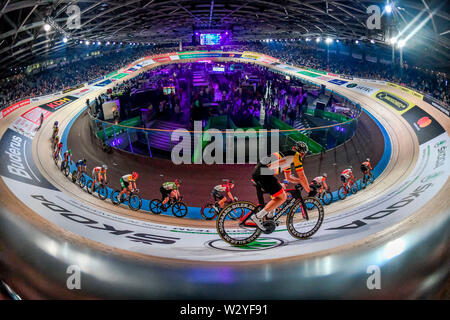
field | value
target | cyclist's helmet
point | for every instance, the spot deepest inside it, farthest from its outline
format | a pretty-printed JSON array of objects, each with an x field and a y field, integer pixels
[
  {"x": 70, "y": 151},
  {"x": 55, "y": 124},
  {"x": 105, "y": 167},
  {"x": 325, "y": 175},
  {"x": 135, "y": 175},
  {"x": 84, "y": 161},
  {"x": 350, "y": 167},
  {"x": 57, "y": 137},
  {"x": 368, "y": 159},
  {"x": 301, "y": 147},
  {"x": 177, "y": 181}
]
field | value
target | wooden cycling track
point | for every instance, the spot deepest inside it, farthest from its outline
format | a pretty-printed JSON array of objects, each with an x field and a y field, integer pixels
[{"x": 404, "y": 155}]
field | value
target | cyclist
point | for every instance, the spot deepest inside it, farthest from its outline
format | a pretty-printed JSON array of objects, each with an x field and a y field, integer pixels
[
  {"x": 346, "y": 176},
  {"x": 366, "y": 167},
  {"x": 41, "y": 120},
  {"x": 318, "y": 183},
  {"x": 170, "y": 190},
  {"x": 55, "y": 142},
  {"x": 81, "y": 166},
  {"x": 58, "y": 150},
  {"x": 264, "y": 176},
  {"x": 55, "y": 130},
  {"x": 99, "y": 174},
  {"x": 220, "y": 192},
  {"x": 67, "y": 157},
  {"x": 128, "y": 183}
]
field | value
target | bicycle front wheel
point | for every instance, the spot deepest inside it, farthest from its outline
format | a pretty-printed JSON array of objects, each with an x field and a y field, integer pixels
[
  {"x": 341, "y": 193},
  {"x": 208, "y": 211},
  {"x": 135, "y": 202},
  {"x": 89, "y": 186},
  {"x": 234, "y": 231},
  {"x": 102, "y": 192},
  {"x": 155, "y": 206},
  {"x": 327, "y": 197},
  {"x": 66, "y": 170},
  {"x": 303, "y": 221},
  {"x": 179, "y": 209},
  {"x": 82, "y": 182},
  {"x": 115, "y": 197}
]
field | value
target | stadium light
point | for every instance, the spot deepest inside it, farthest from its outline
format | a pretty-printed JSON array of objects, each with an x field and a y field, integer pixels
[
  {"x": 65, "y": 39},
  {"x": 329, "y": 40},
  {"x": 393, "y": 40},
  {"x": 401, "y": 43},
  {"x": 99, "y": 43},
  {"x": 318, "y": 39},
  {"x": 372, "y": 41},
  {"x": 81, "y": 41},
  {"x": 47, "y": 27},
  {"x": 87, "y": 42},
  {"x": 356, "y": 41},
  {"x": 337, "y": 40},
  {"x": 388, "y": 8}
]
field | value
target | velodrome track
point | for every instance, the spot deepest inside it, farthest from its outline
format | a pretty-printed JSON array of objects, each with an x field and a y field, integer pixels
[{"x": 45, "y": 227}]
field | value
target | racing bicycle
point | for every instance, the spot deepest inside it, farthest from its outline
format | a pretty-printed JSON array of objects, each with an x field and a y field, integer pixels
[
  {"x": 367, "y": 178},
  {"x": 130, "y": 196},
  {"x": 325, "y": 195},
  {"x": 210, "y": 210},
  {"x": 304, "y": 216},
  {"x": 81, "y": 179},
  {"x": 99, "y": 187},
  {"x": 350, "y": 188},
  {"x": 65, "y": 168},
  {"x": 179, "y": 209}
]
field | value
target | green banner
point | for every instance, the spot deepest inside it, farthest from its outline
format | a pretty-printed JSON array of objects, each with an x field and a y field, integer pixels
[
  {"x": 111, "y": 74},
  {"x": 120, "y": 76},
  {"x": 317, "y": 71},
  {"x": 309, "y": 74}
]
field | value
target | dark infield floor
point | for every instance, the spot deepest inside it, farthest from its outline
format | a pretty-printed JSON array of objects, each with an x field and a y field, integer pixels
[{"x": 198, "y": 180}]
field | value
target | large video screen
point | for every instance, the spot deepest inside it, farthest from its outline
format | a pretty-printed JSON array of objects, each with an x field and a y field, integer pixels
[{"x": 209, "y": 38}]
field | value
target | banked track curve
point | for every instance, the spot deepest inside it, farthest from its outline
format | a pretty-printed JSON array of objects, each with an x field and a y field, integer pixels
[{"x": 49, "y": 225}]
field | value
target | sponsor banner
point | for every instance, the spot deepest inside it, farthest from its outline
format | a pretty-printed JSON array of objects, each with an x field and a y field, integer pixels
[
  {"x": 438, "y": 105},
  {"x": 309, "y": 74},
  {"x": 14, "y": 107},
  {"x": 364, "y": 89},
  {"x": 317, "y": 71},
  {"x": 17, "y": 160},
  {"x": 117, "y": 77},
  {"x": 82, "y": 92},
  {"x": 34, "y": 115},
  {"x": 57, "y": 104},
  {"x": 324, "y": 78},
  {"x": 104, "y": 83},
  {"x": 147, "y": 62},
  {"x": 332, "y": 74},
  {"x": 411, "y": 92},
  {"x": 164, "y": 59},
  {"x": 399, "y": 104},
  {"x": 96, "y": 80},
  {"x": 346, "y": 77},
  {"x": 175, "y": 57},
  {"x": 250, "y": 55},
  {"x": 73, "y": 88},
  {"x": 425, "y": 126},
  {"x": 111, "y": 74},
  {"x": 338, "y": 82},
  {"x": 25, "y": 127},
  {"x": 131, "y": 70},
  {"x": 370, "y": 81}
]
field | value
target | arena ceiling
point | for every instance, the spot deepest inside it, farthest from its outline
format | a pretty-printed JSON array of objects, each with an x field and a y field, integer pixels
[{"x": 23, "y": 39}]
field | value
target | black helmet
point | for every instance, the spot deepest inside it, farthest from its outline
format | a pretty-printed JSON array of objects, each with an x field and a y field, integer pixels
[
  {"x": 84, "y": 161},
  {"x": 301, "y": 147}
]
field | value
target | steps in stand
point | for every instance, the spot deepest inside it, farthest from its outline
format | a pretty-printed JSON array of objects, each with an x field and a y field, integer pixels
[{"x": 162, "y": 139}]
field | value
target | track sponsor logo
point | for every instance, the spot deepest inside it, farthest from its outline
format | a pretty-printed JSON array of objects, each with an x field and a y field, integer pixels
[
  {"x": 103, "y": 83},
  {"x": 411, "y": 92},
  {"x": 367, "y": 90},
  {"x": 14, "y": 107},
  {"x": 425, "y": 126},
  {"x": 263, "y": 243},
  {"x": 438, "y": 105},
  {"x": 394, "y": 101},
  {"x": 17, "y": 161},
  {"x": 338, "y": 82},
  {"x": 73, "y": 88},
  {"x": 57, "y": 104}
]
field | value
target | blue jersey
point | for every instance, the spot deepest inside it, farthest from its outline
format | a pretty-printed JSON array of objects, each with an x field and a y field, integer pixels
[{"x": 80, "y": 163}]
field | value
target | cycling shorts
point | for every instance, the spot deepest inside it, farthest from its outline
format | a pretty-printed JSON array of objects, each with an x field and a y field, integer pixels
[
  {"x": 217, "y": 195},
  {"x": 268, "y": 183},
  {"x": 364, "y": 169},
  {"x": 344, "y": 178},
  {"x": 164, "y": 193},
  {"x": 124, "y": 184},
  {"x": 95, "y": 174}
]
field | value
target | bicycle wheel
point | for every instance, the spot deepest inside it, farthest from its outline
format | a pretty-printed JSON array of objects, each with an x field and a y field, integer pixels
[
  {"x": 66, "y": 170},
  {"x": 102, "y": 192},
  {"x": 236, "y": 214},
  {"x": 155, "y": 206},
  {"x": 89, "y": 186},
  {"x": 327, "y": 197},
  {"x": 208, "y": 211},
  {"x": 371, "y": 177},
  {"x": 179, "y": 209},
  {"x": 115, "y": 197},
  {"x": 341, "y": 193},
  {"x": 135, "y": 202},
  {"x": 354, "y": 188},
  {"x": 82, "y": 182},
  {"x": 303, "y": 222},
  {"x": 364, "y": 182},
  {"x": 233, "y": 231},
  {"x": 74, "y": 176}
]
